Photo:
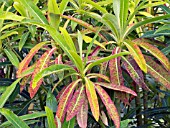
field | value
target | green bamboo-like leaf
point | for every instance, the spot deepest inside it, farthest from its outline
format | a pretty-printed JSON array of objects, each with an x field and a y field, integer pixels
[
  {"x": 104, "y": 60},
  {"x": 69, "y": 124},
  {"x": 63, "y": 5},
  {"x": 92, "y": 98},
  {"x": 76, "y": 103},
  {"x": 14, "y": 119},
  {"x": 9, "y": 25},
  {"x": 12, "y": 57},
  {"x": 116, "y": 9},
  {"x": 34, "y": 11},
  {"x": 158, "y": 72},
  {"x": 115, "y": 69},
  {"x": 11, "y": 16},
  {"x": 80, "y": 43},
  {"x": 65, "y": 99},
  {"x": 25, "y": 118},
  {"x": 82, "y": 115},
  {"x": 144, "y": 43},
  {"x": 50, "y": 118},
  {"x": 111, "y": 108},
  {"x": 20, "y": 8},
  {"x": 117, "y": 88},
  {"x": 23, "y": 40},
  {"x": 135, "y": 72},
  {"x": 124, "y": 6},
  {"x": 7, "y": 34},
  {"x": 25, "y": 62},
  {"x": 4, "y": 97},
  {"x": 137, "y": 55}
]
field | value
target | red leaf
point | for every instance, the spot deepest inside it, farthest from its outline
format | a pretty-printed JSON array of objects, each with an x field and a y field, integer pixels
[
  {"x": 92, "y": 98},
  {"x": 135, "y": 72},
  {"x": 65, "y": 99},
  {"x": 60, "y": 93},
  {"x": 111, "y": 109},
  {"x": 76, "y": 103},
  {"x": 41, "y": 64},
  {"x": 158, "y": 72},
  {"x": 82, "y": 115},
  {"x": 115, "y": 69},
  {"x": 25, "y": 62},
  {"x": 117, "y": 88}
]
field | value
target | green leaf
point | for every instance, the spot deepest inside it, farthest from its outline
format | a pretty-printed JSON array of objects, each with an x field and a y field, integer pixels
[
  {"x": 23, "y": 40},
  {"x": 80, "y": 43},
  {"x": 50, "y": 118},
  {"x": 4, "y": 97},
  {"x": 51, "y": 101},
  {"x": 11, "y": 16},
  {"x": 63, "y": 5},
  {"x": 69, "y": 124},
  {"x": 14, "y": 119},
  {"x": 12, "y": 57},
  {"x": 7, "y": 34},
  {"x": 124, "y": 6}
]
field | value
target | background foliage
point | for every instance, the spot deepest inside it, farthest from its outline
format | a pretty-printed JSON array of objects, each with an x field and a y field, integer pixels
[{"x": 84, "y": 63}]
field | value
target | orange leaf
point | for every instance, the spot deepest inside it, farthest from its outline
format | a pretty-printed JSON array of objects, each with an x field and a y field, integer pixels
[{"x": 111, "y": 109}]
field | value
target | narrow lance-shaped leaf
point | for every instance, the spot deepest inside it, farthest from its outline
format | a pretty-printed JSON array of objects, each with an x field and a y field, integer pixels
[
  {"x": 115, "y": 69},
  {"x": 158, "y": 72},
  {"x": 144, "y": 43},
  {"x": 76, "y": 103},
  {"x": 65, "y": 99},
  {"x": 117, "y": 88},
  {"x": 94, "y": 75},
  {"x": 23, "y": 40},
  {"x": 24, "y": 64},
  {"x": 40, "y": 65},
  {"x": 137, "y": 55},
  {"x": 111, "y": 108},
  {"x": 14, "y": 119},
  {"x": 50, "y": 118},
  {"x": 82, "y": 115},
  {"x": 92, "y": 98},
  {"x": 135, "y": 72}
]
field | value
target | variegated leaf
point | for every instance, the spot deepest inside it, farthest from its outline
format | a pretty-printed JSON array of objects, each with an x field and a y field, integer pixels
[
  {"x": 92, "y": 98},
  {"x": 115, "y": 69},
  {"x": 135, "y": 72},
  {"x": 123, "y": 97},
  {"x": 59, "y": 95},
  {"x": 158, "y": 72},
  {"x": 24, "y": 82},
  {"x": 25, "y": 62},
  {"x": 117, "y": 88},
  {"x": 65, "y": 99},
  {"x": 82, "y": 115},
  {"x": 40, "y": 65},
  {"x": 94, "y": 75},
  {"x": 137, "y": 55},
  {"x": 76, "y": 103},
  {"x": 144, "y": 43},
  {"x": 111, "y": 109},
  {"x": 58, "y": 59}
]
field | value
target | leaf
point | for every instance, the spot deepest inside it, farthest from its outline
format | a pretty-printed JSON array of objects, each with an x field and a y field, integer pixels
[
  {"x": 41, "y": 64},
  {"x": 144, "y": 43},
  {"x": 12, "y": 57},
  {"x": 111, "y": 109},
  {"x": 88, "y": 39},
  {"x": 23, "y": 40},
  {"x": 76, "y": 103},
  {"x": 93, "y": 75},
  {"x": 4, "y": 97},
  {"x": 104, "y": 118},
  {"x": 158, "y": 72},
  {"x": 92, "y": 98},
  {"x": 50, "y": 118},
  {"x": 24, "y": 82},
  {"x": 11, "y": 16},
  {"x": 34, "y": 11},
  {"x": 82, "y": 115},
  {"x": 25, "y": 62},
  {"x": 14, "y": 119},
  {"x": 51, "y": 101},
  {"x": 63, "y": 5},
  {"x": 117, "y": 88},
  {"x": 65, "y": 99},
  {"x": 137, "y": 55},
  {"x": 7, "y": 34},
  {"x": 104, "y": 59},
  {"x": 124, "y": 6},
  {"x": 135, "y": 72},
  {"x": 115, "y": 69},
  {"x": 69, "y": 124}
]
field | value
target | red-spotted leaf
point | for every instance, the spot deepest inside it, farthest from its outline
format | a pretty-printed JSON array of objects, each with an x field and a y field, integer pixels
[
  {"x": 82, "y": 115},
  {"x": 135, "y": 72},
  {"x": 117, "y": 88},
  {"x": 24, "y": 82},
  {"x": 115, "y": 69},
  {"x": 76, "y": 103},
  {"x": 144, "y": 43},
  {"x": 65, "y": 99},
  {"x": 25, "y": 62},
  {"x": 137, "y": 55},
  {"x": 59, "y": 95},
  {"x": 158, "y": 72},
  {"x": 41, "y": 64},
  {"x": 111, "y": 109},
  {"x": 123, "y": 97},
  {"x": 103, "y": 69},
  {"x": 92, "y": 98}
]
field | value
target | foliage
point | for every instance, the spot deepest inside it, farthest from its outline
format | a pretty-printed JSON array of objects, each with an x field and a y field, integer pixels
[{"x": 82, "y": 60}]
